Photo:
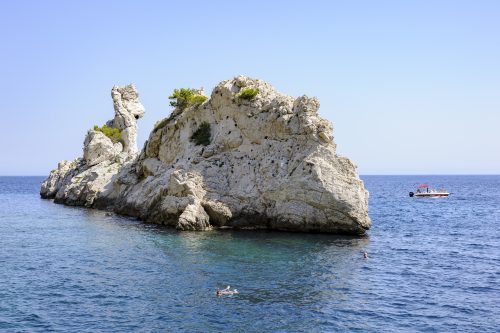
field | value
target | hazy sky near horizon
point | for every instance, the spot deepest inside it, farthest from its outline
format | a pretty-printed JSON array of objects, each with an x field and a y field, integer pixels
[{"x": 412, "y": 87}]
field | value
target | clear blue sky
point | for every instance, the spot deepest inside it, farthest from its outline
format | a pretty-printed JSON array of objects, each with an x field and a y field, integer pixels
[{"x": 412, "y": 87}]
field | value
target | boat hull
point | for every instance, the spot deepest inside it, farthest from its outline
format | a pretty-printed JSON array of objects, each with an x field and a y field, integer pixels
[{"x": 430, "y": 195}]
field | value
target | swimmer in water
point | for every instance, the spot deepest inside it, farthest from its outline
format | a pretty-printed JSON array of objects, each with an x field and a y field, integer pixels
[
  {"x": 365, "y": 255},
  {"x": 226, "y": 291}
]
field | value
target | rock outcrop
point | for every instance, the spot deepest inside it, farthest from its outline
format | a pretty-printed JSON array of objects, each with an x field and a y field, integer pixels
[
  {"x": 127, "y": 110},
  {"x": 269, "y": 162},
  {"x": 79, "y": 182}
]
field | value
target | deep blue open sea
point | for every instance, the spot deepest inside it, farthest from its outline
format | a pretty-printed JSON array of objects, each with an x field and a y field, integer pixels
[{"x": 433, "y": 266}]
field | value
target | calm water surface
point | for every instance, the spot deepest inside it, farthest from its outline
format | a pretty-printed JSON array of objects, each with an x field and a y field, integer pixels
[{"x": 434, "y": 266}]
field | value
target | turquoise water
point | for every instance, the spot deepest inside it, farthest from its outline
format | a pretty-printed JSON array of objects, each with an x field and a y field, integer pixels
[{"x": 434, "y": 266}]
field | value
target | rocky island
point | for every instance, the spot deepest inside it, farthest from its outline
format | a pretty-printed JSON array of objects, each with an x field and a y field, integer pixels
[{"x": 247, "y": 157}]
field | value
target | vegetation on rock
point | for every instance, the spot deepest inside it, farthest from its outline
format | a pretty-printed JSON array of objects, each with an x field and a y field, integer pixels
[
  {"x": 161, "y": 123},
  {"x": 202, "y": 135},
  {"x": 248, "y": 93},
  {"x": 113, "y": 133},
  {"x": 185, "y": 97}
]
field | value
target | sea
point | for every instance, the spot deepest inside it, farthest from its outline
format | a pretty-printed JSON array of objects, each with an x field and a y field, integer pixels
[{"x": 433, "y": 266}]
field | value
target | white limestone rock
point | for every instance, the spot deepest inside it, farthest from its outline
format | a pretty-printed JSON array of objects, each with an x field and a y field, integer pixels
[
  {"x": 98, "y": 148},
  {"x": 128, "y": 109},
  {"x": 84, "y": 186},
  {"x": 79, "y": 182},
  {"x": 57, "y": 178},
  {"x": 271, "y": 163}
]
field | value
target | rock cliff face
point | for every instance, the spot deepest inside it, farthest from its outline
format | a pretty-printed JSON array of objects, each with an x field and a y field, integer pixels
[{"x": 270, "y": 162}]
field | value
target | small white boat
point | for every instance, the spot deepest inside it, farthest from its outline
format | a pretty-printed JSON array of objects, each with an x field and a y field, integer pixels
[{"x": 423, "y": 191}]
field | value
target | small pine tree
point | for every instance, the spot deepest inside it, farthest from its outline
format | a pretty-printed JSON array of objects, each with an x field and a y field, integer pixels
[{"x": 185, "y": 97}]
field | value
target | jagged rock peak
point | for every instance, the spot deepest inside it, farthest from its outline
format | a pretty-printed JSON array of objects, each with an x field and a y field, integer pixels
[
  {"x": 128, "y": 109},
  {"x": 79, "y": 182}
]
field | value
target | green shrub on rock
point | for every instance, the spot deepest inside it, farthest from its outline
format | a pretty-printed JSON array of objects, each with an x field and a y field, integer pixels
[
  {"x": 198, "y": 99},
  {"x": 113, "y": 133},
  {"x": 202, "y": 135},
  {"x": 248, "y": 93},
  {"x": 185, "y": 97},
  {"x": 161, "y": 123}
]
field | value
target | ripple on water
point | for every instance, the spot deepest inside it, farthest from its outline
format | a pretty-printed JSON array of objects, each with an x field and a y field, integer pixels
[{"x": 433, "y": 266}]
